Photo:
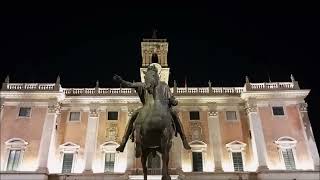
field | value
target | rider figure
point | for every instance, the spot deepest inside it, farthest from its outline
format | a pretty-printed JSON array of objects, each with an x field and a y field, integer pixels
[{"x": 139, "y": 87}]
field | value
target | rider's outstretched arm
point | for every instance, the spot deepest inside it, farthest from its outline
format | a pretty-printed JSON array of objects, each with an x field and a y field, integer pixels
[{"x": 127, "y": 84}]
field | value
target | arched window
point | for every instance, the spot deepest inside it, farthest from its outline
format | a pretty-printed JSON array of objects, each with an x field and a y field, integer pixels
[
  {"x": 109, "y": 155},
  {"x": 236, "y": 151},
  {"x": 15, "y": 151},
  {"x": 154, "y": 164},
  {"x": 69, "y": 153},
  {"x": 198, "y": 148},
  {"x": 286, "y": 146},
  {"x": 154, "y": 58}
]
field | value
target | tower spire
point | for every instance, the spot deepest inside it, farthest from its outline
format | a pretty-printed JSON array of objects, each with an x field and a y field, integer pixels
[{"x": 154, "y": 34}]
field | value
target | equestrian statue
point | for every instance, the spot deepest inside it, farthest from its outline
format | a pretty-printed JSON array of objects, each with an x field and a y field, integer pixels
[{"x": 153, "y": 126}]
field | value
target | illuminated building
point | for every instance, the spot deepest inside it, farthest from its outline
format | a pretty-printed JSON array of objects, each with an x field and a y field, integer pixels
[{"x": 257, "y": 131}]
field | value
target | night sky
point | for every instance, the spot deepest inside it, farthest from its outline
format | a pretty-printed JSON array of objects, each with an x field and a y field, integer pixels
[{"x": 221, "y": 43}]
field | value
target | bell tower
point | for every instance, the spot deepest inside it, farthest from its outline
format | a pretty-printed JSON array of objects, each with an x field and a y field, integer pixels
[{"x": 155, "y": 50}]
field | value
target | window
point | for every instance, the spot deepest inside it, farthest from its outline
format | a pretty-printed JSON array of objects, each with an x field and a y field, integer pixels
[
  {"x": 194, "y": 115},
  {"x": 13, "y": 160},
  {"x": 74, "y": 116},
  {"x": 237, "y": 161},
  {"x": 231, "y": 115},
  {"x": 278, "y": 111},
  {"x": 236, "y": 151},
  {"x": 197, "y": 161},
  {"x": 154, "y": 58},
  {"x": 69, "y": 151},
  {"x": 25, "y": 112},
  {"x": 109, "y": 162},
  {"x": 67, "y": 162},
  {"x": 112, "y": 115},
  {"x": 16, "y": 148},
  {"x": 110, "y": 157},
  {"x": 286, "y": 146},
  {"x": 288, "y": 159}
]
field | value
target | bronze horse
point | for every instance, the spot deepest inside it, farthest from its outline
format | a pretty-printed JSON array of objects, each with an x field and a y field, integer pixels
[{"x": 153, "y": 128}]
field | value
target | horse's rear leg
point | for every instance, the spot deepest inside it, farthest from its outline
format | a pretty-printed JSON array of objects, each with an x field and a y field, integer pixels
[
  {"x": 166, "y": 145},
  {"x": 144, "y": 158}
]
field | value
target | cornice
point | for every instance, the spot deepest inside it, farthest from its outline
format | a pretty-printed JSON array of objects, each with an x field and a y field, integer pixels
[
  {"x": 209, "y": 99},
  {"x": 101, "y": 99},
  {"x": 295, "y": 94},
  {"x": 36, "y": 95}
]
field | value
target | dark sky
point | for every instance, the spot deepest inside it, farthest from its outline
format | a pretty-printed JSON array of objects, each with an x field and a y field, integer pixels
[{"x": 222, "y": 43}]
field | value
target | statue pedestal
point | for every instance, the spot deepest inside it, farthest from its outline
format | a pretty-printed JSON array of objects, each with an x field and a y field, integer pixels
[{"x": 151, "y": 177}]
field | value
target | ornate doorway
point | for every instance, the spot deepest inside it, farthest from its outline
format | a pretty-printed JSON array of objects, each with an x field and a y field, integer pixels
[{"x": 154, "y": 164}]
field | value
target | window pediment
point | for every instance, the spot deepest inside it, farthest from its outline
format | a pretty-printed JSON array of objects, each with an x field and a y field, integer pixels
[
  {"x": 109, "y": 146},
  {"x": 198, "y": 146},
  {"x": 69, "y": 147},
  {"x": 236, "y": 146},
  {"x": 16, "y": 143},
  {"x": 286, "y": 142}
]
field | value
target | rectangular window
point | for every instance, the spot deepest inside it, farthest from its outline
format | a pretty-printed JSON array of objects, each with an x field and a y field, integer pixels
[
  {"x": 197, "y": 161},
  {"x": 109, "y": 162},
  {"x": 237, "y": 161},
  {"x": 278, "y": 111},
  {"x": 231, "y": 115},
  {"x": 112, "y": 115},
  {"x": 288, "y": 159},
  {"x": 194, "y": 115},
  {"x": 74, "y": 116},
  {"x": 67, "y": 162},
  {"x": 25, "y": 112},
  {"x": 13, "y": 160}
]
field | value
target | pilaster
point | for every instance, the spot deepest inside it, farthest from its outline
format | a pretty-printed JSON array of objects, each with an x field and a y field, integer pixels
[
  {"x": 308, "y": 134},
  {"x": 91, "y": 138},
  {"x": 176, "y": 154},
  {"x": 257, "y": 137},
  {"x": 47, "y": 137},
  {"x": 1, "y": 111},
  {"x": 130, "y": 147},
  {"x": 215, "y": 139}
]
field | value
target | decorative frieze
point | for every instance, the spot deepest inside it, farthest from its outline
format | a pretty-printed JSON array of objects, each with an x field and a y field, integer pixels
[
  {"x": 196, "y": 131},
  {"x": 112, "y": 132}
]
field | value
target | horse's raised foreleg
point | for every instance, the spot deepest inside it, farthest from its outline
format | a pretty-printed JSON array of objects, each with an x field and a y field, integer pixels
[{"x": 144, "y": 158}]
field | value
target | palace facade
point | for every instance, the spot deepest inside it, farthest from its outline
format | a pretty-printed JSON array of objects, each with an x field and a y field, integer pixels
[{"x": 257, "y": 131}]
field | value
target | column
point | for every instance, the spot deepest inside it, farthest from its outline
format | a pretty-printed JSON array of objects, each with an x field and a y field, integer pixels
[
  {"x": 257, "y": 138},
  {"x": 48, "y": 131},
  {"x": 215, "y": 139},
  {"x": 130, "y": 148},
  {"x": 312, "y": 147},
  {"x": 91, "y": 139}
]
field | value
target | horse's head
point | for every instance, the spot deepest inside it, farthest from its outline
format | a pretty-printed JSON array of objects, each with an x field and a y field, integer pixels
[{"x": 151, "y": 78}]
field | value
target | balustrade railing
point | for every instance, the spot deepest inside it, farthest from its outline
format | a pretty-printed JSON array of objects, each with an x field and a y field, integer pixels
[
  {"x": 271, "y": 85},
  {"x": 129, "y": 91},
  {"x": 99, "y": 91},
  {"x": 30, "y": 86}
]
